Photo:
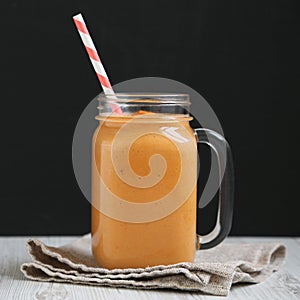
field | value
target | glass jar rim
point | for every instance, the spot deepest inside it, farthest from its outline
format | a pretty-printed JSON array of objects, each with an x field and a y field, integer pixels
[{"x": 145, "y": 97}]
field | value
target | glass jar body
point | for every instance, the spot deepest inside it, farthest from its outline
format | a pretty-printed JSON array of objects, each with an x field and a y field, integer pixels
[{"x": 144, "y": 173}]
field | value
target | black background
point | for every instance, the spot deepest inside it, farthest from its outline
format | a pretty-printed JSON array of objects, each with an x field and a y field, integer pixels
[{"x": 242, "y": 56}]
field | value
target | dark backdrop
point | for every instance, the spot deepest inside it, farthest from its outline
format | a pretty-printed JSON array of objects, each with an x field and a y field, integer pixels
[{"x": 242, "y": 56}]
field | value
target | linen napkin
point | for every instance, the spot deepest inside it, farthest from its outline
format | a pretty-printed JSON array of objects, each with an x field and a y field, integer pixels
[{"x": 213, "y": 271}]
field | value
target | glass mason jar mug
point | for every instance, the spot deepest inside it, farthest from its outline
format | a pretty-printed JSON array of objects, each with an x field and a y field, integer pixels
[{"x": 144, "y": 182}]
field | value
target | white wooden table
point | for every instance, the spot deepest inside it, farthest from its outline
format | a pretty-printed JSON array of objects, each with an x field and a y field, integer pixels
[{"x": 284, "y": 284}]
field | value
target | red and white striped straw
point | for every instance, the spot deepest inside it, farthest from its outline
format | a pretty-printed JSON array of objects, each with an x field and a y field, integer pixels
[{"x": 95, "y": 60}]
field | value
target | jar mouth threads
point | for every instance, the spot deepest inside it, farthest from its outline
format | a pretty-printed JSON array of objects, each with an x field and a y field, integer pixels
[
  {"x": 146, "y": 98},
  {"x": 132, "y": 103}
]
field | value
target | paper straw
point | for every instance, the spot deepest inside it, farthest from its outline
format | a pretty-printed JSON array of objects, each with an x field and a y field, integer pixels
[{"x": 95, "y": 60}]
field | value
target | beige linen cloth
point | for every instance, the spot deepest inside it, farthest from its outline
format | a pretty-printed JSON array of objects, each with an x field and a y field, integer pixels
[{"x": 213, "y": 271}]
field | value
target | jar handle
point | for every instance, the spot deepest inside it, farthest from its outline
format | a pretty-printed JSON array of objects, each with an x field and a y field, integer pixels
[{"x": 225, "y": 207}]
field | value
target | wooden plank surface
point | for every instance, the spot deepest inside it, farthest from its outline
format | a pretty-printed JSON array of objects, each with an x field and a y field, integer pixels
[{"x": 282, "y": 285}]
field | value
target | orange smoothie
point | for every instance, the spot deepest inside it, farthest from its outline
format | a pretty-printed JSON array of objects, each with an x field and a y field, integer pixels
[{"x": 143, "y": 191}]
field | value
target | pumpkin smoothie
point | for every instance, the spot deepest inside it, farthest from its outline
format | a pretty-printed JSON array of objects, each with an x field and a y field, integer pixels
[{"x": 143, "y": 191}]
